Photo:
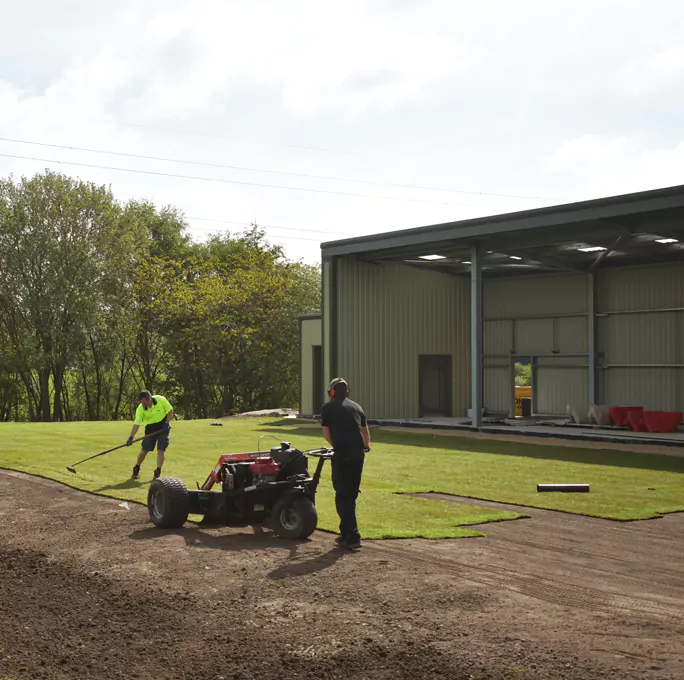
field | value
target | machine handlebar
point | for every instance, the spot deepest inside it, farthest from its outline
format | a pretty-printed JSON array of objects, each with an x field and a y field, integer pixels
[
  {"x": 320, "y": 453},
  {"x": 325, "y": 452}
]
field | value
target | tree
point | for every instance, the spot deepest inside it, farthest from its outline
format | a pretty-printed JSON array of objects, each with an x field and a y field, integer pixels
[
  {"x": 523, "y": 374},
  {"x": 64, "y": 253},
  {"x": 100, "y": 299}
]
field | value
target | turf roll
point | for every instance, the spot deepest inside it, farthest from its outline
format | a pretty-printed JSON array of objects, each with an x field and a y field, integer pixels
[{"x": 573, "y": 488}]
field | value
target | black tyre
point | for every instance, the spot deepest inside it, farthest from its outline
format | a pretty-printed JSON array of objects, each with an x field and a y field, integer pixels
[
  {"x": 294, "y": 517},
  {"x": 168, "y": 503}
]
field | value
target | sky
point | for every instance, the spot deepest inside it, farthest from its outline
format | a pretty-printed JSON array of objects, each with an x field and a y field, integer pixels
[{"x": 322, "y": 121}]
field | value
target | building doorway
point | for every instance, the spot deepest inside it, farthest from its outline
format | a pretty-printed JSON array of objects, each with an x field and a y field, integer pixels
[
  {"x": 522, "y": 387},
  {"x": 317, "y": 377},
  {"x": 435, "y": 380}
]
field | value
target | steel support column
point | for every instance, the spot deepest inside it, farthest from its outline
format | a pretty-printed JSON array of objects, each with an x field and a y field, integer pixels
[
  {"x": 329, "y": 320},
  {"x": 591, "y": 339},
  {"x": 511, "y": 399},
  {"x": 476, "y": 334}
]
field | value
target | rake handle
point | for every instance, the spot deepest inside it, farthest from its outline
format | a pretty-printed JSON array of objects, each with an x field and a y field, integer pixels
[{"x": 120, "y": 446}]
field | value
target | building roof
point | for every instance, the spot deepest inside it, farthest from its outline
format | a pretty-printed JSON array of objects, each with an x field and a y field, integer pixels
[{"x": 629, "y": 229}]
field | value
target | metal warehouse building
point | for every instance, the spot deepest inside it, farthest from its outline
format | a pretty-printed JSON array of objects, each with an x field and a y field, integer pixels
[{"x": 431, "y": 321}]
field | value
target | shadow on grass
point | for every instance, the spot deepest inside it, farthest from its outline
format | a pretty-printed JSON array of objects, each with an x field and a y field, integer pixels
[
  {"x": 194, "y": 537},
  {"x": 541, "y": 451},
  {"x": 128, "y": 484}
]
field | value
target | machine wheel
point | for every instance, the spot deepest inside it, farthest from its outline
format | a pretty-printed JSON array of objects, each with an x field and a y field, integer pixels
[
  {"x": 294, "y": 517},
  {"x": 168, "y": 503}
]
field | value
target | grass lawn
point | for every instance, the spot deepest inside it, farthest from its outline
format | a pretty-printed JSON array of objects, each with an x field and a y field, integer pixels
[
  {"x": 47, "y": 448},
  {"x": 624, "y": 486}
]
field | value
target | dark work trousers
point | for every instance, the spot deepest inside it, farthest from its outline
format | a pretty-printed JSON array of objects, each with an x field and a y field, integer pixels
[{"x": 346, "y": 478}]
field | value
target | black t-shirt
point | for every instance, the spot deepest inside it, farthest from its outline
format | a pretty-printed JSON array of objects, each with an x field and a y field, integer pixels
[{"x": 345, "y": 418}]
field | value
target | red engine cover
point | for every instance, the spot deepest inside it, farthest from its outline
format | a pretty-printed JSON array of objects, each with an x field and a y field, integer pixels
[
  {"x": 267, "y": 467},
  {"x": 262, "y": 465}
]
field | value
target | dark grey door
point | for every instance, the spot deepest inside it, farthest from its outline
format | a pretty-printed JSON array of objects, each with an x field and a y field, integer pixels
[
  {"x": 317, "y": 379},
  {"x": 435, "y": 385}
]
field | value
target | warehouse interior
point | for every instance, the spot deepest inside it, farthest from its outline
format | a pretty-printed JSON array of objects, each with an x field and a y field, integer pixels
[{"x": 429, "y": 323}]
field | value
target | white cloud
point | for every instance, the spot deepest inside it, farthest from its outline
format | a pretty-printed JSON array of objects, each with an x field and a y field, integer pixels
[
  {"x": 615, "y": 166},
  {"x": 189, "y": 60},
  {"x": 477, "y": 97},
  {"x": 314, "y": 54},
  {"x": 647, "y": 169},
  {"x": 365, "y": 62},
  {"x": 180, "y": 63},
  {"x": 650, "y": 72},
  {"x": 589, "y": 154}
]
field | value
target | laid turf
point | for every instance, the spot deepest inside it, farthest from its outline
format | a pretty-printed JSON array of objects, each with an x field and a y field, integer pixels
[
  {"x": 624, "y": 486},
  {"x": 47, "y": 448}
]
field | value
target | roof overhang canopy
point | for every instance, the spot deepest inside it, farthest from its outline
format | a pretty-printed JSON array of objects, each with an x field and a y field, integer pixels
[{"x": 632, "y": 229}]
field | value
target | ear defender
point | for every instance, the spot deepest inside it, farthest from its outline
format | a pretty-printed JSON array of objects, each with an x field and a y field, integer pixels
[{"x": 334, "y": 384}]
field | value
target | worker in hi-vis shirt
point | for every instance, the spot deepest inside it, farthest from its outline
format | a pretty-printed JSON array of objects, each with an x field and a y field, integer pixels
[{"x": 156, "y": 412}]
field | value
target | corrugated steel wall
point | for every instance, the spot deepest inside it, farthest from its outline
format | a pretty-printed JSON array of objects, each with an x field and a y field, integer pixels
[
  {"x": 498, "y": 341},
  {"x": 560, "y": 381},
  {"x": 311, "y": 336},
  {"x": 535, "y": 295},
  {"x": 510, "y": 306},
  {"x": 390, "y": 314},
  {"x": 641, "y": 338}
]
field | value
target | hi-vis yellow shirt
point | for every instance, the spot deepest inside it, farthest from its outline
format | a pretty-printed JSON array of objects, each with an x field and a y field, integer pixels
[{"x": 155, "y": 413}]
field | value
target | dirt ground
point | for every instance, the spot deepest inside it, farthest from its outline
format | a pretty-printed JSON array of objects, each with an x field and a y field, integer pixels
[{"x": 89, "y": 589}]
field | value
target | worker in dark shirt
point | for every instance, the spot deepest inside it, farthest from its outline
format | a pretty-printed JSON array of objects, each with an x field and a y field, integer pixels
[{"x": 346, "y": 430}]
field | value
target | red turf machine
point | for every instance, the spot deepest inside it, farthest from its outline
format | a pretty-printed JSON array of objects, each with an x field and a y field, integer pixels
[{"x": 270, "y": 488}]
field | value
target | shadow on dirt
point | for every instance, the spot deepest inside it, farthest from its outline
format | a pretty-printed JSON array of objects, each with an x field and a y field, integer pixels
[
  {"x": 195, "y": 537},
  {"x": 295, "y": 566}
]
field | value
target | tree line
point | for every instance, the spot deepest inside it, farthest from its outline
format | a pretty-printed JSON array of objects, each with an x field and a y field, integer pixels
[{"x": 101, "y": 298}]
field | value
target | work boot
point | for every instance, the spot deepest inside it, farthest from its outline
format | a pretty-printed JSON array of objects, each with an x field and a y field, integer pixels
[
  {"x": 157, "y": 472},
  {"x": 352, "y": 543},
  {"x": 136, "y": 472}
]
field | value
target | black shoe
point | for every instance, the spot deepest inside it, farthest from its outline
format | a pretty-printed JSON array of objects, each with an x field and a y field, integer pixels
[
  {"x": 136, "y": 472},
  {"x": 341, "y": 540},
  {"x": 157, "y": 473},
  {"x": 353, "y": 544}
]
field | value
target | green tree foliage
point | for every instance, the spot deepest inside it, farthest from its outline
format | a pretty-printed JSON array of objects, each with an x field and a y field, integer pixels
[
  {"x": 99, "y": 299},
  {"x": 523, "y": 375}
]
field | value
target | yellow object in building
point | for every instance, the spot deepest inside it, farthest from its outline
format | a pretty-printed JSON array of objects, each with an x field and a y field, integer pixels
[{"x": 521, "y": 392}]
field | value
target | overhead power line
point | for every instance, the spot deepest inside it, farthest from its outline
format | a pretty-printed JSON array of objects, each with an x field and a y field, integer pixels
[
  {"x": 270, "y": 172},
  {"x": 202, "y": 219},
  {"x": 271, "y": 226},
  {"x": 233, "y": 181},
  {"x": 216, "y": 135}
]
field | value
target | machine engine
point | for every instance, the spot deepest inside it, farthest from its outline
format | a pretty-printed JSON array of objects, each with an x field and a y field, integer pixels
[{"x": 246, "y": 470}]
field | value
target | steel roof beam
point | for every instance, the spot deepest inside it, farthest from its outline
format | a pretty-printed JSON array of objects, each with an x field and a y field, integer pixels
[{"x": 599, "y": 210}]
